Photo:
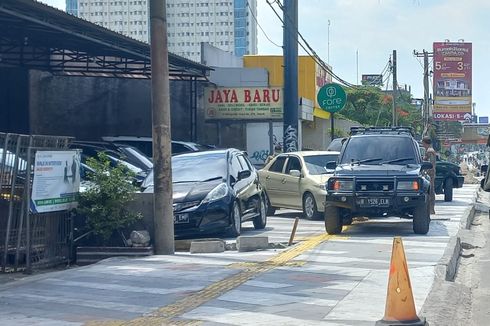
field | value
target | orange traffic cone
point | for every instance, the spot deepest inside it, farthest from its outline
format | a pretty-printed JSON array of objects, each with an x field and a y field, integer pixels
[{"x": 400, "y": 306}]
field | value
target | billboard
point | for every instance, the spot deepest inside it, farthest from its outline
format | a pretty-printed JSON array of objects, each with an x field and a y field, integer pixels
[
  {"x": 452, "y": 80},
  {"x": 482, "y": 119},
  {"x": 372, "y": 80},
  {"x": 243, "y": 103}
]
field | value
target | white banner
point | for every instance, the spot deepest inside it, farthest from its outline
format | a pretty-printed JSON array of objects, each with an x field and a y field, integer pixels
[{"x": 56, "y": 181}]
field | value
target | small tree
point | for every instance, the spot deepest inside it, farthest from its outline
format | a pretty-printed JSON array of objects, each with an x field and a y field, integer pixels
[{"x": 104, "y": 204}]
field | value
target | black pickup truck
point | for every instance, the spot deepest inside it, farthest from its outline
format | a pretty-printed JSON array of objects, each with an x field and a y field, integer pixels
[{"x": 379, "y": 173}]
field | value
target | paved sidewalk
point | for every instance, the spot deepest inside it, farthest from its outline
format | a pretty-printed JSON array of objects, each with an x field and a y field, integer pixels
[{"x": 323, "y": 280}]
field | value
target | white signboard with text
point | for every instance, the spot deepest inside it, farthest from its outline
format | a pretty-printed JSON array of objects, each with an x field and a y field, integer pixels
[{"x": 56, "y": 181}]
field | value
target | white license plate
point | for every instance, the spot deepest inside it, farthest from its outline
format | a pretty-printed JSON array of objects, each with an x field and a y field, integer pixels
[
  {"x": 375, "y": 202},
  {"x": 181, "y": 218}
]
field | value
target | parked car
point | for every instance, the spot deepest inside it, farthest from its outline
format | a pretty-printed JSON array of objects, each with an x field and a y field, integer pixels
[
  {"x": 380, "y": 173},
  {"x": 115, "y": 156},
  {"x": 215, "y": 191},
  {"x": 448, "y": 177},
  {"x": 124, "y": 152},
  {"x": 336, "y": 144},
  {"x": 144, "y": 144},
  {"x": 297, "y": 180}
]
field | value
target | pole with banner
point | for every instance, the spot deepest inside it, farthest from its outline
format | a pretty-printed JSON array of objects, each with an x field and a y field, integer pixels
[{"x": 331, "y": 98}]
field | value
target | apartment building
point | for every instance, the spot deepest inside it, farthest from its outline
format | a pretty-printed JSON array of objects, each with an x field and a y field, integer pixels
[{"x": 228, "y": 25}]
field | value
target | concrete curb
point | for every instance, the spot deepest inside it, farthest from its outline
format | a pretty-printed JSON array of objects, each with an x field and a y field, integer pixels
[
  {"x": 207, "y": 247},
  {"x": 444, "y": 291},
  {"x": 447, "y": 266}
]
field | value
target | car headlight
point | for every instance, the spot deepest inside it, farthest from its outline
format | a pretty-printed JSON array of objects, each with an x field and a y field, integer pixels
[
  {"x": 408, "y": 185},
  {"x": 218, "y": 192},
  {"x": 342, "y": 185},
  {"x": 321, "y": 186}
]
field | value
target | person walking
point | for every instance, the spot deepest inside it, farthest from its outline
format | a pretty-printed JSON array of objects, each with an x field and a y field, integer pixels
[{"x": 430, "y": 155}]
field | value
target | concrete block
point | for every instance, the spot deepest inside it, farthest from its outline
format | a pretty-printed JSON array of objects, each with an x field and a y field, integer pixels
[
  {"x": 202, "y": 247},
  {"x": 244, "y": 243}
]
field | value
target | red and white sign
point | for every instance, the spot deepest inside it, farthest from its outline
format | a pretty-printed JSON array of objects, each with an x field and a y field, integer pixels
[
  {"x": 452, "y": 80},
  {"x": 243, "y": 103}
]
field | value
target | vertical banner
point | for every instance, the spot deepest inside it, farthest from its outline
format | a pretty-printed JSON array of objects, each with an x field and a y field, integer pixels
[
  {"x": 452, "y": 81},
  {"x": 56, "y": 181}
]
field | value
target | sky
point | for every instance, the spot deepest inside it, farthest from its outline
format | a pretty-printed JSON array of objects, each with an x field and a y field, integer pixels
[{"x": 374, "y": 28}]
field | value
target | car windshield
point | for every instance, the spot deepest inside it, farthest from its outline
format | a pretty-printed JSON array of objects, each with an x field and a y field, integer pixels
[
  {"x": 198, "y": 166},
  {"x": 195, "y": 167},
  {"x": 379, "y": 150},
  {"x": 315, "y": 164}
]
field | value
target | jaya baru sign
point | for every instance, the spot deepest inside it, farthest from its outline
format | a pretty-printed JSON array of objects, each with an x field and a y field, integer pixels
[
  {"x": 56, "y": 181},
  {"x": 331, "y": 97},
  {"x": 243, "y": 103}
]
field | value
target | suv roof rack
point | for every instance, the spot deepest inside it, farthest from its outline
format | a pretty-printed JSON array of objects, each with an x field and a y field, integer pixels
[{"x": 381, "y": 130}]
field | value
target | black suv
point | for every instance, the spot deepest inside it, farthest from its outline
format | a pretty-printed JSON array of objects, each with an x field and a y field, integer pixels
[{"x": 379, "y": 173}]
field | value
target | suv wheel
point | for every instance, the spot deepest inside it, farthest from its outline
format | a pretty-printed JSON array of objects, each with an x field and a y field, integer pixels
[
  {"x": 309, "y": 207},
  {"x": 421, "y": 218},
  {"x": 333, "y": 222},
  {"x": 261, "y": 219},
  {"x": 448, "y": 189}
]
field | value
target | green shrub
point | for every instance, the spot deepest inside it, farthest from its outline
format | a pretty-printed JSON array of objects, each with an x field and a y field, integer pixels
[{"x": 104, "y": 204}]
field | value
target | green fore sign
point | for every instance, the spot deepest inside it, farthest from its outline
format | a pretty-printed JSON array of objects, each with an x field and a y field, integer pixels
[{"x": 331, "y": 97}]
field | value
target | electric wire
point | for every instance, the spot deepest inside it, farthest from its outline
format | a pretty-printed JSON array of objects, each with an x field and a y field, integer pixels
[
  {"x": 258, "y": 24},
  {"x": 308, "y": 49}
]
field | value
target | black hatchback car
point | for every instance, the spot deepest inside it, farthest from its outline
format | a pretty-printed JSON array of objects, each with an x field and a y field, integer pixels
[{"x": 214, "y": 191}]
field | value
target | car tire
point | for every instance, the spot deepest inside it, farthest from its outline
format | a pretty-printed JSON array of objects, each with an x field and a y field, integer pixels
[
  {"x": 448, "y": 189},
  {"x": 309, "y": 207},
  {"x": 235, "y": 221},
  {"x": 270, "y": 210},
  {"x": 421, "y": 218},
  {"x": 333, "y": 222},
  {"x": 260, "y": 220}
]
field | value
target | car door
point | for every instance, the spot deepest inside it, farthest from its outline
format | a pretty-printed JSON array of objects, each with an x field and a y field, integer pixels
[
  {"x": 291, "y": 183},
  {"x": 273, "y": 181}
]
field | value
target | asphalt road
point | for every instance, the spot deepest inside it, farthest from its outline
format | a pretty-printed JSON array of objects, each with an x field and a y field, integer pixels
[{"x": 322, "y": 280}]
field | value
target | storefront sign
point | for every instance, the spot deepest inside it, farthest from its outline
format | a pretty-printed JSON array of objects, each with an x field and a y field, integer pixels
[
  {"x": 244, "y": 103},
  {"x": 331, "y": 97},
  {"x": 452, "y": 78},
  {"x": 56, "y": 181}
]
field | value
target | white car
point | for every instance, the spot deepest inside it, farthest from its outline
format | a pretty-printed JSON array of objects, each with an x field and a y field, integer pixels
[{"x": 297, "y": 180}]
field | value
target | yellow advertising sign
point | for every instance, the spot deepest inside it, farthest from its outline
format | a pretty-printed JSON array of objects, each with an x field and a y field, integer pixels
[{"x": 243, "y": 103}]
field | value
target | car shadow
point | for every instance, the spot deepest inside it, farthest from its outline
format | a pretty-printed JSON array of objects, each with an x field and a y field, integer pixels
[{"x": 393, "y": 227}]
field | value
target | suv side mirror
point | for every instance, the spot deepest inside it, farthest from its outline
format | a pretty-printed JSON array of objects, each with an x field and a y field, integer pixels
[
  {"x": 295, "y": 173},
  {"x": 484, "y": 168},
  {"x": 331, "y": 165},
  {"x": 244, "y": 174},
  {"x": 426, "y": 165}
]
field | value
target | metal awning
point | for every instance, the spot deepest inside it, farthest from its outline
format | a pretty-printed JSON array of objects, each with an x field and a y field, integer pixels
[{"x": 36, "y": 36}]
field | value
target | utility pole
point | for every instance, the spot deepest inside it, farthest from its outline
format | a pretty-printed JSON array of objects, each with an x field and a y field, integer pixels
[
  {"x": 328, "y": 43},
  {"x": 357, "y": 67},
  {"x": 160, "y": 105},
  {"x": 427, "y": 97},
  {"x": 426, "y": 93},
  {"x": 395, "y": 87},
  {"x": 290, "y": 12}
]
